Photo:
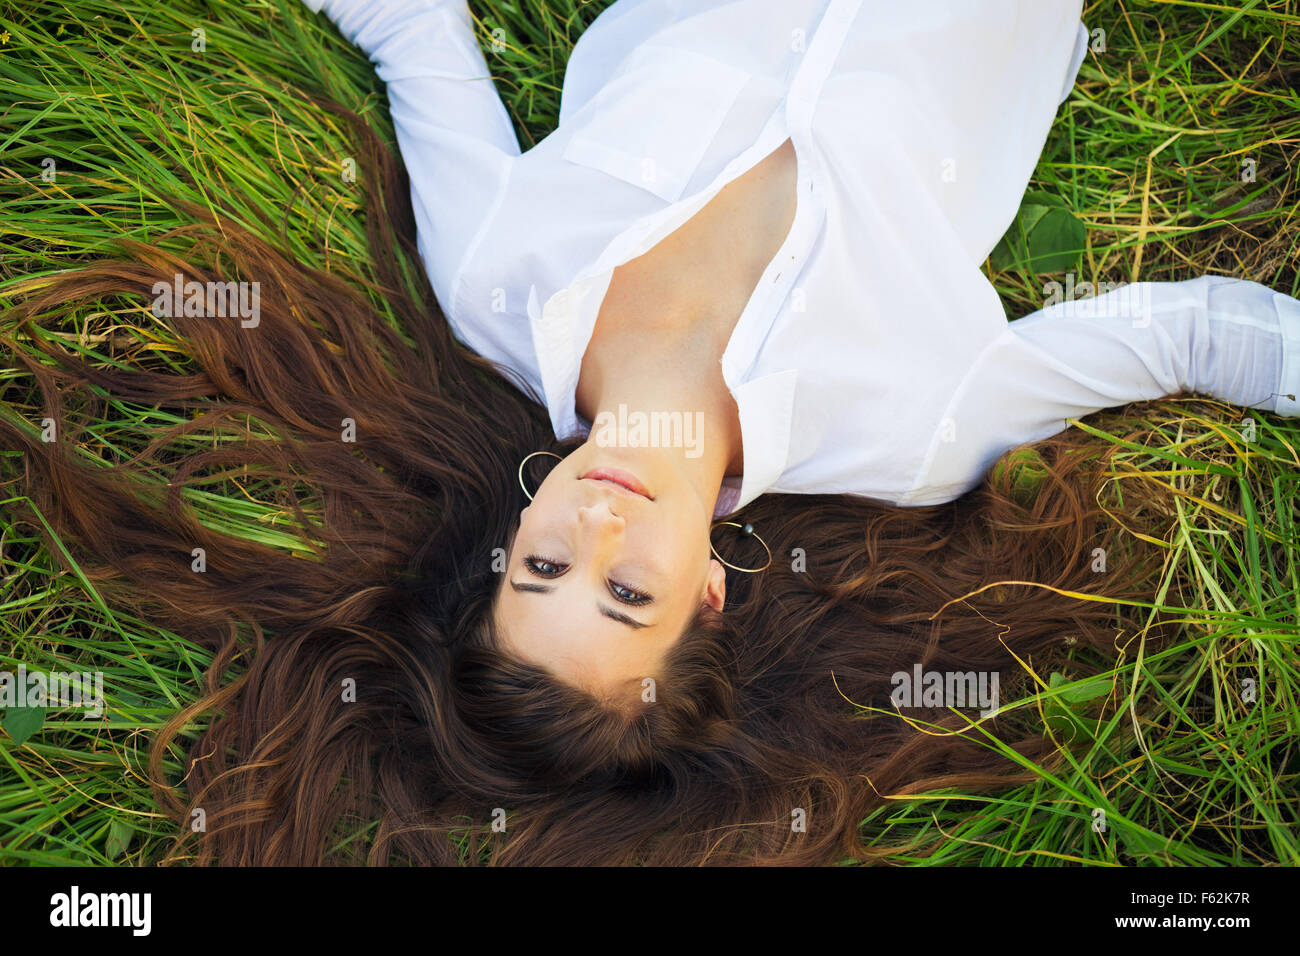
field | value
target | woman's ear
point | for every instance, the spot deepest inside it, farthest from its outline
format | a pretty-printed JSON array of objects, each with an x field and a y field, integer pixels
[{"x": 715, "y": 588}]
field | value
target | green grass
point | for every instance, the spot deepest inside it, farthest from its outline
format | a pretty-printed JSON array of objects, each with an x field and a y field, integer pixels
[{"x": 1148, "y": 153}]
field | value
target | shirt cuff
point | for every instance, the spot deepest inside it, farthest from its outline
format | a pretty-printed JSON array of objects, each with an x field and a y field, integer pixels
[{"x": 1288, "y": 313}]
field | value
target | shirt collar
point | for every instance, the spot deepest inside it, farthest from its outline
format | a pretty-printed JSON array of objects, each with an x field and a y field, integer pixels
[
  {"x": 559, "y": 357},
  {"x": 766, "y": 406}
]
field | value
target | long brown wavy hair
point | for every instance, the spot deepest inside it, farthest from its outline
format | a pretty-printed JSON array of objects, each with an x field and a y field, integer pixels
[{"x": 359, "y": 709}]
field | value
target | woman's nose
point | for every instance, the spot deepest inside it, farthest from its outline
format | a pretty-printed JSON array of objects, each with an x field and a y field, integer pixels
[{"x": 598, "y": 518}]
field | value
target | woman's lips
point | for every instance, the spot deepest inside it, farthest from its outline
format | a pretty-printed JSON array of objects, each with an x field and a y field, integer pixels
[{"x": 623, "y": 479}]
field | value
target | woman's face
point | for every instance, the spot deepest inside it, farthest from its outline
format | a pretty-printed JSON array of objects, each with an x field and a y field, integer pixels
[{"x": 602, "y": 579}]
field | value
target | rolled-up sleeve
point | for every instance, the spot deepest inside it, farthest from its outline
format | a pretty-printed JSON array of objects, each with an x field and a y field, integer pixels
[{"x": 453, "y": 130}]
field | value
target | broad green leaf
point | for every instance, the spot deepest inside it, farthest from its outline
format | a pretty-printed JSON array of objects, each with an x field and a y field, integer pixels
[
  {"x": 1056, "y": 242},
  {"x": 120, "y": 834},
  {"x": 1088, "y": 690},
  {"x": 21, "y": 722},
  {"x": 1044, "y": 237}
]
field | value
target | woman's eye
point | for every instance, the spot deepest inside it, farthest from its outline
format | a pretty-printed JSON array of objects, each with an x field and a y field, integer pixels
[
  {"x": 546, "y": 568},
  {"x": 627, "y": 595},
  {"x": 543, "y": 567}
]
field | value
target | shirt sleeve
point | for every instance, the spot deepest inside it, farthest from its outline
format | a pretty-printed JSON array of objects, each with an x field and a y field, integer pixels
[
  {"x": 452, "y": 128},
  {"x": 1234, "y": 340}
]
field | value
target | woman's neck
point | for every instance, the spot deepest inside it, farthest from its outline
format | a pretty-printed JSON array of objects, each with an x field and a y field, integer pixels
[
  {"x": 668, "y": 315},
  {"x": 666, "y": 391}
]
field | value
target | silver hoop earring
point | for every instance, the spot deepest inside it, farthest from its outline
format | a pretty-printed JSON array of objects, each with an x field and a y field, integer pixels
[
  {"x": 747, "y": 530},
  {"x": 525, "y": 461}
]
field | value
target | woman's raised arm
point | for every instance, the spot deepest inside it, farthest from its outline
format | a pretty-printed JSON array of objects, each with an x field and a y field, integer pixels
[{"x": 452, "y": 128}]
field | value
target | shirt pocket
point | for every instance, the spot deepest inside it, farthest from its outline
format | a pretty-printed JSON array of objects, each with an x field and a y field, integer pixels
[{"x": 652, "y": 122}]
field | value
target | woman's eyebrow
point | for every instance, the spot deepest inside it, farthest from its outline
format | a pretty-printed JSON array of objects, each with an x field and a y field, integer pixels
[
  {"x": 539, "y": 588},
  {"x": 609, "y": 612}
]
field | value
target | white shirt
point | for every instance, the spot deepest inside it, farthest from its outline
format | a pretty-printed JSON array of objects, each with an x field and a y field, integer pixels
[{"x": 874, "y": 357}]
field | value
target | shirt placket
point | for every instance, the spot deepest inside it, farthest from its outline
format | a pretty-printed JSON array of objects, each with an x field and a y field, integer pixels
[{"x": 774, "y": 286}]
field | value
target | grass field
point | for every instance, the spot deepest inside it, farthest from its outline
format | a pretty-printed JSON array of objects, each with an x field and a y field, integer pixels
[{"x": 1178, "y": 152}]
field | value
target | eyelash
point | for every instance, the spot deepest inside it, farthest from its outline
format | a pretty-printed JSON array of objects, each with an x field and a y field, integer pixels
[{"x": 532, "y": 560}]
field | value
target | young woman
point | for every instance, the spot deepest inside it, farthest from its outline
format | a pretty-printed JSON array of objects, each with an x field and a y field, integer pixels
[
  {"x": 767, "y": 219},
  {"x": 743, "y": 281}
]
